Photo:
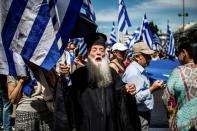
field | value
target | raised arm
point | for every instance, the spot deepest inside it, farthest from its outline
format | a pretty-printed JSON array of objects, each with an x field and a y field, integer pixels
[{"x": 15, "y": 88}]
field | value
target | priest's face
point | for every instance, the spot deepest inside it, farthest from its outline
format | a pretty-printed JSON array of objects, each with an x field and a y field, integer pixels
[
  {"x": 99, "y": 71},
  {"x": 97, "y": 53}
]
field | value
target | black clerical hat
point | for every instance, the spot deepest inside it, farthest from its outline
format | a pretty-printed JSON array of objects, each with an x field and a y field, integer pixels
[{"x": 95, "y": 39}]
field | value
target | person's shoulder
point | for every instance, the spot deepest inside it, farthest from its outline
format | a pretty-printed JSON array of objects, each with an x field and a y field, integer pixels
[
  {"x": 176, "y": 71},
  {"x": 114, "y": 66},
  {"x": 185, "y": 68},
  {"x": 131, "y": 68},
  {"x": 181, "y": 67},
  {"x": 114, "y": 74}
]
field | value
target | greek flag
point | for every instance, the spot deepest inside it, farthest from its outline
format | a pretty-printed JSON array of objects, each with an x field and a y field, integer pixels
[
  {"x": 10, "y": 62},
  {"x": 156, "y": 39},
  {"x": 142, "y": 33},
  {"x": 38, "y": 30},
  {"x": 81, "y": 46},
  {"x": 135, "y": 37},
  {"x": 123, "y": 18},
  {"x": 87, "y": 6},
  {"x": 67, "y": 61},
  {"x": 113, "y": 35},
  {"x": 170, "y": 42},
  {"x": 146, "y": 32},
  {"x": 156, "y": 42}
]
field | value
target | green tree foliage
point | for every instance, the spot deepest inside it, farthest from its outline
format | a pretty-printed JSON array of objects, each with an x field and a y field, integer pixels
[{"x": 153, "y": 28}]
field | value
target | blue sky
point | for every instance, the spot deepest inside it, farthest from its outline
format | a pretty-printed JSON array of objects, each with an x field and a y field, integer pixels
[{"x": 158, "y": 11}]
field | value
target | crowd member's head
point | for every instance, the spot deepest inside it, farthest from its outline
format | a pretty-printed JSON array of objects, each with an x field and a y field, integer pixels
[
  {"x": 119, "y": 51},
  {"x": 71, "y": 47},
  {"x": 98, "y": 68},
  {"x": 141, "y": 53},
  {"x": 109, "y": 53},
  {"x": 184, "y": 51}
]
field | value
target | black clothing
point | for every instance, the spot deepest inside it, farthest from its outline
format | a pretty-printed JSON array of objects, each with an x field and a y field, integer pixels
[
  {"x": 95, "y": 39},
  {"x": 61, "y": 122},
  {"x": 3, "y": 81},
  {"x": 100, "y": 109}
]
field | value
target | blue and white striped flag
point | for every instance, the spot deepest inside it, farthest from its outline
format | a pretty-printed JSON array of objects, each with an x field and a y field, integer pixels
[
  {"x": 170, "y": 42},
  {"x": 156, "y": 42},
  {"x": 87, "y": 6},
  {"x": 82, "y": 46},
  {"x": 38, "y": 30},
  {"x": 142, "y": 33},
  {"x": 135, "y": 37},
  {"x": 112, "y": 38},
  {"x": 10, "y": 62},
  {"x": 123, "y": 18},
  {"x": 156, "y": 39},
  {"x": 68, "y": 61},
  {"x": 147, "y": 33}
]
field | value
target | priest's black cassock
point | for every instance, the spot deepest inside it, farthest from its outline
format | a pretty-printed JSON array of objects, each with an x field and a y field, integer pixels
[{"x": 100, "y": 109}]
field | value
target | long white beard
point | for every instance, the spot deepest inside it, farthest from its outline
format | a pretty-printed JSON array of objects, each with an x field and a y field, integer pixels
[{"x": 99, "y": 72}]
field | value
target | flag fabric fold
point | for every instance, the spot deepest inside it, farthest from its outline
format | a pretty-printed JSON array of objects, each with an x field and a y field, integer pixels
[
  {"x": 10, "y": 62},
  {"x": 156, "y": 39},
  {"x": 123, "y": 18},
  {"x": 147, "y": 33},
  {"x": 81, "y": 46},
  {"x": 135, "y": 37},
  {"x": 112, "y": 37},
  {"x": 38, "y": 30},
  {"x": 142, "y": 33},
  {"x": 156, "y": 42},
  {"x": 89, "y": 10}
]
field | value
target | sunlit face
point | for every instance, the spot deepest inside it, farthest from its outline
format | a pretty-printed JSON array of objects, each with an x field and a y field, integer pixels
[
  {"x": 97, "y": 53},
  {"x": 98, "y": 68},
  {"x": 120, "y": 55},
  {"x": 71, "y": 47}
]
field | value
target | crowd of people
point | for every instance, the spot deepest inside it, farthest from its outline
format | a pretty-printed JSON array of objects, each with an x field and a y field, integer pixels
[{"x": 103, "y": 91}]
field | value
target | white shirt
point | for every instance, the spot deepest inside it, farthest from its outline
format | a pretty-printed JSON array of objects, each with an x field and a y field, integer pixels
[{"x": 136, "y": 74}]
